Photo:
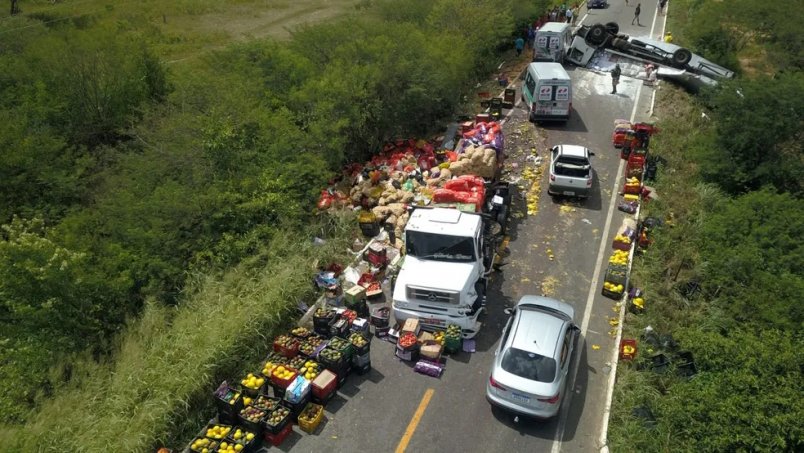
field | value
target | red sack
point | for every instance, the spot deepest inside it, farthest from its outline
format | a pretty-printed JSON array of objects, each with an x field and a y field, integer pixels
[
  {"x": 444, "y": 196},
  {"x": 325, "y": 201},
  {"x": 452, "y": 156},
  {"x": 459, "y": 185}
]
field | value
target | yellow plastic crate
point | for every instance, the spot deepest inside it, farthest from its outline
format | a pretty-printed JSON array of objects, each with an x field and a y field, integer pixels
[{"x": 311, "y": 417}]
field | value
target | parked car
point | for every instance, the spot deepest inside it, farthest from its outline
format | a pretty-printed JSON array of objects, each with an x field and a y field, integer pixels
[
  {"x": 591, "y": 4},
  {"x": 531, "y": 365},
  {"x": 571, "y": 171}
]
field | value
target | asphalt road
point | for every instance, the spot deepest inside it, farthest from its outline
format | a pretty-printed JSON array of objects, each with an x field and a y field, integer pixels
[{"x": 373, "y": 412}]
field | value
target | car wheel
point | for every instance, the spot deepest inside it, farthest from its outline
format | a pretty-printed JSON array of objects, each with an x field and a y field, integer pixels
[
  {"x": 613, "y": 28},
  {"x": 596, "y": 35},
  {"x": 681, "y": 57}
]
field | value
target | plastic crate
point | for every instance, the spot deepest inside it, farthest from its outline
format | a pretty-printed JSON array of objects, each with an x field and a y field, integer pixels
[
  {"x": 289, "y": 349},
  {"x": 254, "y": 426},
  {"x": 229, "y": 401},
  {"x": 611, "y": 294},
  {"x": 283, "y": 383},
  {"x": 266, "y": 402},
  {"x": 206, "y": 432},
  {"x": 309, "y": 424},
  {"x": 361, "y": 350},
  {"x": 277, "y": 439},
  {"x": 452, "y": 344},
  {"x": 277, "y": 428},
  {"x": 249, "y": 445}
]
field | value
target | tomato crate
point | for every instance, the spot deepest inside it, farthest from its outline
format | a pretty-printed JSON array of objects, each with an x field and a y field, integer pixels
[
  {"x": 286, "y": 346},
  {"x": 311, "y": 417}
]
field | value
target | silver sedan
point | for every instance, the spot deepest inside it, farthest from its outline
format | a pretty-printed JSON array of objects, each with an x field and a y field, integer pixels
[{"x": 530, "y": 370}]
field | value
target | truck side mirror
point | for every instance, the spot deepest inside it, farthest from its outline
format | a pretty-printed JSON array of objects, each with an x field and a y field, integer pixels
[{"x": 508, "y": 311}]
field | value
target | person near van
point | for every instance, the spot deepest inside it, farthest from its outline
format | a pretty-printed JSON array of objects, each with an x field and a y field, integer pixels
[
  {"x": 531, "y": 36},
  {"x": 519, "y": 44},
  {"x": 636, "y": 14},
  {"x": 668, "y": 37},
  {"x": 569, "y": 15},
  {"x": 662, "y": 4},
  {"x": 615, "y": 78}
]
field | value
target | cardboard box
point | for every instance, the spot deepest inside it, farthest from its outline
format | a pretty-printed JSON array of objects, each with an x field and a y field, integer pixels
[
  {"x": 411, "y": 325},
  {"x": 355, "y": 294},
  {"x": 425, "y": 337},
  {"x": 431, "y": 351}
]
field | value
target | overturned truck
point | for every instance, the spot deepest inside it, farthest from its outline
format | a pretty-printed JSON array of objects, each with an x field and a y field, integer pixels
[{"x": 673, "y": 62}]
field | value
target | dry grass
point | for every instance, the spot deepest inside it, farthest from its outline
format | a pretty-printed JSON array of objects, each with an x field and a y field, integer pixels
[{"x": 180, "y": 29}]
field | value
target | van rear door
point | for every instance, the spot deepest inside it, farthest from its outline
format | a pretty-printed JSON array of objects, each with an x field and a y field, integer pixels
[{"x": 552, "y": 99}]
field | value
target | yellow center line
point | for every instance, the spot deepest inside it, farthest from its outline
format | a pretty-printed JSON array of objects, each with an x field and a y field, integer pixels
[{"x": 414, "y": 422}]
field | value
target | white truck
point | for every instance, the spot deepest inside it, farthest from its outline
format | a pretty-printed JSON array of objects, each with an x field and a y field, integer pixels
[{"x": 449, "y": 252}]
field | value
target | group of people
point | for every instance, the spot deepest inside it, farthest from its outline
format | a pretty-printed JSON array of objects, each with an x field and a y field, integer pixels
[
  {"x": 638, "y": 10},
  {"x": 563, "y": 13}
]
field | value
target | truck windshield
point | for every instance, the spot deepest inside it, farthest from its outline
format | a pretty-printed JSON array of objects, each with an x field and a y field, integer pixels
[{"x": 440, "y": 247}]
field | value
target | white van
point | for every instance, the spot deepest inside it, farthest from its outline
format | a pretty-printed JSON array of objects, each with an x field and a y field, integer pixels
[
  {"x": 547, "y": 91},
  {"x": 552, "y": 42}
]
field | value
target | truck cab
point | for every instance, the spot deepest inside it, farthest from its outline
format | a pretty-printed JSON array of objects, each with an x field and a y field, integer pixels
[{"x": 442, "y": 278}]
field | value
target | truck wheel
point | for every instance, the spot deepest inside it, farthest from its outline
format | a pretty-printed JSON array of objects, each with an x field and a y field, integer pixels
[
  {"x": 596, "y": 35},
  {"x": 502, "y": 218},
  {"x": 613, "y": 28},
  {"x": 681, "y": 57}
]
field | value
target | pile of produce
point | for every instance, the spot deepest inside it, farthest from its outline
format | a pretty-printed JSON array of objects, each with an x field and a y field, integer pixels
[
  {"x": 409, "y": 172},
  {"x": 310, "y": 413},
  {"x": 620, "y": 258},
  {"x": 203, "y": 445},
  {"x": 218, "y": 431},
  {"x": 227, "y": 394},
  {"x": 407, "y": 340},
  {"x": 276, "y": 417},
  {"x": 330, "y": 355},
  {"x": 286, "y": 345},
  {"x": 614, "y": 288},
  {"x": 253, "y": 414},
  {"x": 283, "y": 373},
  {"x": 226, "y": 447},
  {"x": 307, "y": 368},
  {"x": 324, "y": 313},
  {"x": 301, "y": 332},
  {"x": 265, "y": 403},
  {"x": 438, "y": 336},
  {"x": 622, "y": 238},
  {"x": 252, "y": 382},
  {"x": 358, "y": 340},
  {"x": 453, "y": 331}
]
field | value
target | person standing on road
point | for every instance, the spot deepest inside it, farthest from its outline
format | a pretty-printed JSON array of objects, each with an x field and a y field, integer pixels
[
  {"x": 662, "y": 3},
  {"x": 636, "y": 14},
  {"x": 569, "y": 15},
  {"x": 519, "y": 44},
  {"x": 615, "y": 78}
]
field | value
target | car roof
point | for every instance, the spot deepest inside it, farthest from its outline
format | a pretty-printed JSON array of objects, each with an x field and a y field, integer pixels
[
  {"x": 536, "y": 331},
  {"x": 573, "y": 150}
]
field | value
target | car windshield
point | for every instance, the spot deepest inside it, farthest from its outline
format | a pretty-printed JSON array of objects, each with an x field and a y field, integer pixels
[
  {"x": 440, "y": 247},
  {"x": 529, "y": 365}
]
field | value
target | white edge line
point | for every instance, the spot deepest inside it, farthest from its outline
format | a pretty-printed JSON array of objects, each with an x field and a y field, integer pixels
[{"x": 615, "y": 355}]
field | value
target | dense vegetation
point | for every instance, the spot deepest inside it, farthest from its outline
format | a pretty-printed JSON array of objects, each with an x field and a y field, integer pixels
[
  {"x": 157, "y": 221},
  {"x": 724, "y": 276}
]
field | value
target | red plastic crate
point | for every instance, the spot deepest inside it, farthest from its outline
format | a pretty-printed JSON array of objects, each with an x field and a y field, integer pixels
[
  {"x": 277, "y": 439},
  {"x": 284, "y": 383},
  {"x": 287, "y": 351},
  {"x": 630, "y": 354}
]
